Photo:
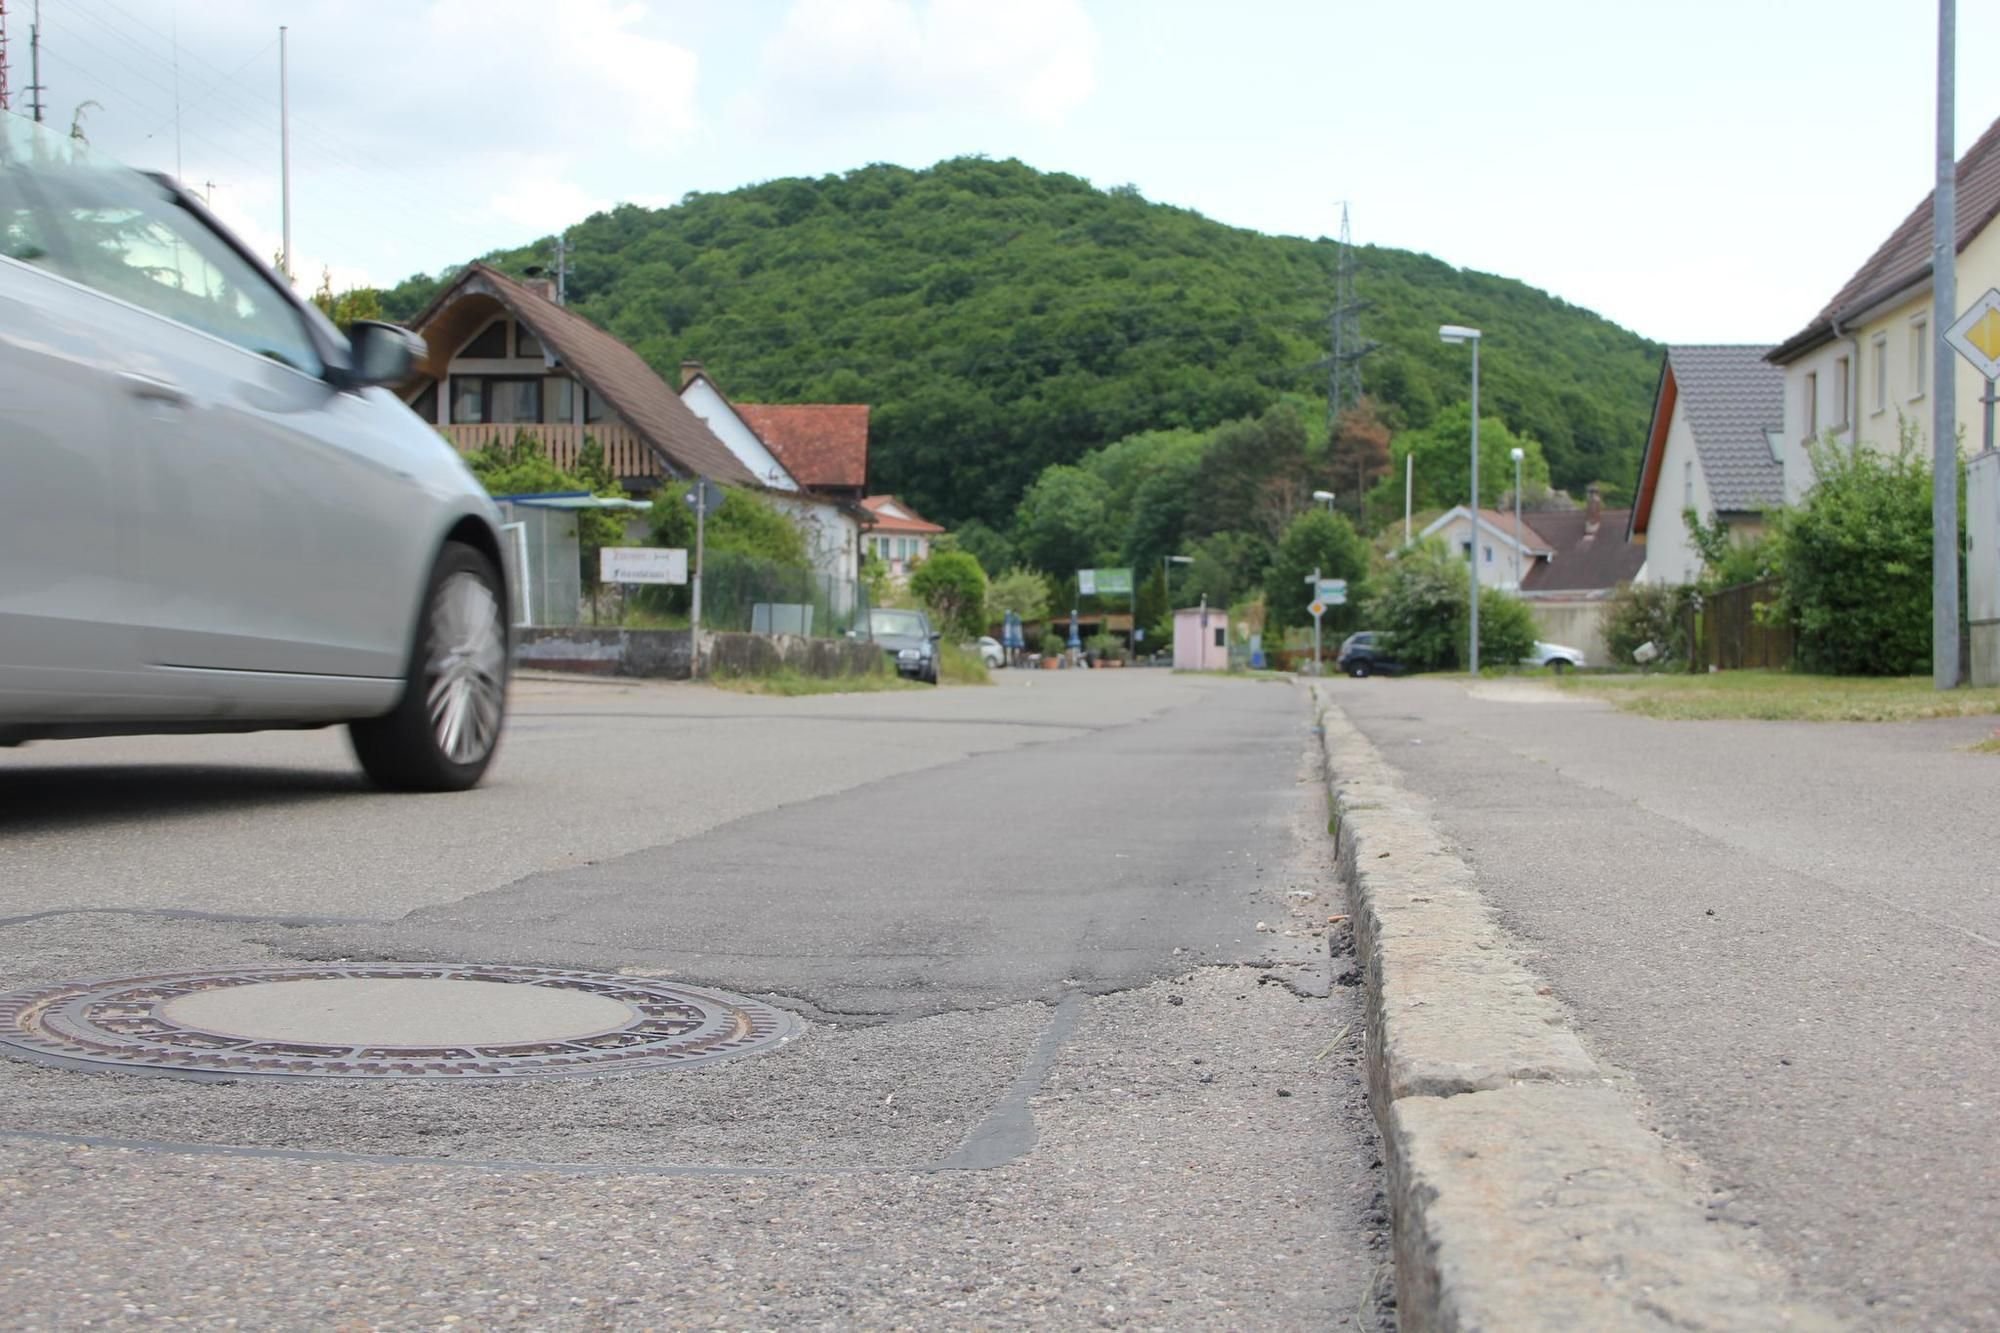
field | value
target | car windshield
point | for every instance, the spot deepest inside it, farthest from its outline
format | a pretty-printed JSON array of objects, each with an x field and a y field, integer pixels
[{"x": 898, "y": 624}]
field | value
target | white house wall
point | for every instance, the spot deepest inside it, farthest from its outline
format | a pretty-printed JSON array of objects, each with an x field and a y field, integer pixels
[
  {"x": 705, "y": 402},
  {"x": 1671, "y": 556},
  {"x": 1499, "y": 571}
]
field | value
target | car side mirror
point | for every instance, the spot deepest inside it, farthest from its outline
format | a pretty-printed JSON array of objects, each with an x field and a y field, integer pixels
[
  {"x": 936, "y": 637},
  {"x": 381, "y": 354}
]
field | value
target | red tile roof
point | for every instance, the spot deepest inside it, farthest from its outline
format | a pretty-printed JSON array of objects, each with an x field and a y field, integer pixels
[
  {"x": 823, "y": 445},
  {"x": 911, "y": 522}
]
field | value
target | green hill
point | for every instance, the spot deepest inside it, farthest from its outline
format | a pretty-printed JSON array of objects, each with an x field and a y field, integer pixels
[{"x": 1001, "y": 319}]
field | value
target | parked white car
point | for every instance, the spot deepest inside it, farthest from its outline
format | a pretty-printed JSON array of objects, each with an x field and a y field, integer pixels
[
  {"x": 212, "y": 515},
  {"x": 990, "y": 651},
  {"x": 1556, "y": 656}
]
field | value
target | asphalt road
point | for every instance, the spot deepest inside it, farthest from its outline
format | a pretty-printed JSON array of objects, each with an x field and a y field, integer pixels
[
  {"x": 1786, "y": 935},
  {"x": 1052, "y": 1073}
]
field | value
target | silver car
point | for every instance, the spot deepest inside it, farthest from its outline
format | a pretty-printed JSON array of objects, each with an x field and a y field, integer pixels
[{"x": 212, "y": 517}]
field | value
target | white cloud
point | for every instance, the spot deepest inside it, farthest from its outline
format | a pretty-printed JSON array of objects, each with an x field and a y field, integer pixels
[{"x": 1034, "y": 60}]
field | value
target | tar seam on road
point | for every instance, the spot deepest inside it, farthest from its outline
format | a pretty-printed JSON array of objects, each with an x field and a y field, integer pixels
[
  {"x": 1006, "y": 1136},
  {"x": 1008, "y": 1132},
  {"x": 191, "y": 914}
]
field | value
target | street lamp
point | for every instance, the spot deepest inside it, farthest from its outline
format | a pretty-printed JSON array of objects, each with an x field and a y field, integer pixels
[
  {"x": 1459, "y": 333},
  {"x": 1517, "y": 454},
  {"x": 1325, "y": 498}
]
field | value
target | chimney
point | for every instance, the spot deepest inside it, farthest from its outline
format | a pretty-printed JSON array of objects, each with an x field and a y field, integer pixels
[
  {"x": 540, "y": 283},
  {"x": 1593, "y": 510},
  {"x": 689, "y": 369}
]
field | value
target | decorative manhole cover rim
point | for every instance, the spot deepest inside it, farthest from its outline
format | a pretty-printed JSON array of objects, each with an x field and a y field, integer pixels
[{"x": 119, "y": 1025}]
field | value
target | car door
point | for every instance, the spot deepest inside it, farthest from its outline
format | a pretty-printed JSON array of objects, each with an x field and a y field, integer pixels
[
  {"x": 68, "y": 648},
  {"x": 276, "y": 529}
]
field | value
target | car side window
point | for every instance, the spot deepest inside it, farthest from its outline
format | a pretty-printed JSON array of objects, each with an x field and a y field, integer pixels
[{"x": 124, "y": 235}]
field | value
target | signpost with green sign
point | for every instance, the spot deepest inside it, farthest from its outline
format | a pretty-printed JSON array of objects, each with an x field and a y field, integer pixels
[{"x": 1110, "y": 583}]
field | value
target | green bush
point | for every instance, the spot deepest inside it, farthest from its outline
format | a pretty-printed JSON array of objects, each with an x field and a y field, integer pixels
[
  {"x": 1053, "y": 644},
  {"x": 1105, "y": 645},
  {"x": 953, "y": 586},
  {"x": 1020, "y": 590},
  {"x": 1421, "y": 606},
  {"x": 1855, "y": 560},
  {"x": 1654, "y": 613}
]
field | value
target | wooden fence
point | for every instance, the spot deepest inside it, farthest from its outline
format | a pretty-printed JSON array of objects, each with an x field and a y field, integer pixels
[{"x": 1727, "y": 634}]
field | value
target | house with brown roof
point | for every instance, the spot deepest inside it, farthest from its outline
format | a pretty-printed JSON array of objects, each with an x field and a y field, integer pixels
[
  {"x": 504, "y": 357},
  {"x": 1505, "y": 556},
  {"x": 1715, "y": 448},
  {"x": 898, "y": 535},
  {"x": 1862, "y": 368},
  {"x": 812, "y": 458}
]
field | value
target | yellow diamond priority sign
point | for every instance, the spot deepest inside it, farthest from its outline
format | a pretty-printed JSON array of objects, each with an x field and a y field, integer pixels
[{"x": 1976, "y": 335}]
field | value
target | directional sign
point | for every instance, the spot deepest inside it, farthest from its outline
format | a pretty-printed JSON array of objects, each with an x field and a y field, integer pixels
[
  {"x": 1332, "y": 591},
  {"x": 1976, "y": 336}
]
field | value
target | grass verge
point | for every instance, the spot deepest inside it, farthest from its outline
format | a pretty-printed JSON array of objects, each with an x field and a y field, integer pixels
[
  {"x": 1782, "y": 696},
  {"x": 792, "y": 683},
  {"x": 958, "y": 665}
]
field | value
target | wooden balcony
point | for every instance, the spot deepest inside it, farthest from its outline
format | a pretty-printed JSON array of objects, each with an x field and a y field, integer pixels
[{"x": 625, "y": 453}]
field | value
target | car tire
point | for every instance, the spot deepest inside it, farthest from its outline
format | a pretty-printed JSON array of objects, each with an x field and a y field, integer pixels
[
  {"x": 1560, "y": 665},
  {"x": 442, "y": 734},
  {"x": 1361, "y": 669}
]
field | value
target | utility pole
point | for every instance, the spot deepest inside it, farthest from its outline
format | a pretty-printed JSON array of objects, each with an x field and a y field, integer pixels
[
  {"x": 3, "y": 55},
  {"x": 35, "y": 88},
  {"x": 1944, "y": 369},
  {"x": 1343, "y": 362},
  {"x": 562, "y": 270},
  {"x": 285, "y": 151}
]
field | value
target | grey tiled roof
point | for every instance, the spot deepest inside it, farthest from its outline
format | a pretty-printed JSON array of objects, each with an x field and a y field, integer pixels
[{"x": 1732, "y": 396}]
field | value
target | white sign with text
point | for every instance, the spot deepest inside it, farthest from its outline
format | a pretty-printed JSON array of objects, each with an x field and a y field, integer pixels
[{"x": 642, "y": 564}]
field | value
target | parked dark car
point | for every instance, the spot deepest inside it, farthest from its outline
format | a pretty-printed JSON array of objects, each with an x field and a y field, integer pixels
[
  {"x": 1360, "y": 655},
  {"x": 907, "y": 637}
]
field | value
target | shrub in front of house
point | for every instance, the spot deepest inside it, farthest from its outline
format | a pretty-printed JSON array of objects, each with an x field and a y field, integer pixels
[
  {"x": 1854, "y": 562},
  {"x": 1420, "y": 610}
]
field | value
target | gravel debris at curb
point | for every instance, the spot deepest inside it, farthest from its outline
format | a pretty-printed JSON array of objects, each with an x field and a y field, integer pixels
[{"x": 1523, "y": 1190}]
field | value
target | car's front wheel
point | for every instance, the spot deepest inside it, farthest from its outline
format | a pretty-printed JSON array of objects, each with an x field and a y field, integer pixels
[
  {"x": 1360, "y": 668},
  {"x": 443, "y": 732}
]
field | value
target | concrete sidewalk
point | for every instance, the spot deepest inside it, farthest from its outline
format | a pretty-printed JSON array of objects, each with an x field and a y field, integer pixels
[{"x": 1784, "y": 935}]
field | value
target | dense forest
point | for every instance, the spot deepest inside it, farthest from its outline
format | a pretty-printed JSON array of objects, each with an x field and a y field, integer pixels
[{"x": 1003, "y": 320}]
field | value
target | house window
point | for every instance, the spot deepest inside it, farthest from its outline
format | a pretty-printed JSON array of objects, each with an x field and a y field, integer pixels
[
  {"x": 495, "y": 398},
  {"x": 1221, "y": 638},
  {"x": 1465, "y": 549},
  {"x": 1489, "y": 554},
  {"x": 425, "y": 404},
  {"x": 1920, "y": 357},
  {"x": 1687, "y": 483},
  {"x": 1841, "y": 380},
  {"x": 1812, "y": 405},
  {"x": 526, "y": 344},
  {"x": 491, "y": 344},
  {"x": 1879, "y": 350},
  {"x": 594, "y": 408},
  {"x": 558, "y": 400}
]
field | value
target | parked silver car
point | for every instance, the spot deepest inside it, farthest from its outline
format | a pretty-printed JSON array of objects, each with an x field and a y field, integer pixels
[{"x": 212, "y": 517}]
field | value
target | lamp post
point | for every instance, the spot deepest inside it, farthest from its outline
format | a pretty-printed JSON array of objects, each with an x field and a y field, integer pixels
[
  {"x": 1325, "y": 498},
  {"x": 1517, "y": 455},
  {"x": 1459, "y": 333},
  {"x": 1167, "y": 563}
]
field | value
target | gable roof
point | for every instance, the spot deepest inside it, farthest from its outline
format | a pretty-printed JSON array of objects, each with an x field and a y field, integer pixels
[
  {"x": 616, "y": 373},
  {"x": 892, "y": 515},
  {"x": 1733, "y": 396},
  {"x": 823, "y": 445},
  {"x": 1500, "y": 525},
  {"x": 1904, "y": 260},
  {"x": 1586, "y": 557}
]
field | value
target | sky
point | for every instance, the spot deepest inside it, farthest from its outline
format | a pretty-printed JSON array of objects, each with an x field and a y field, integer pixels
[{"x": 1697, "y": 171}]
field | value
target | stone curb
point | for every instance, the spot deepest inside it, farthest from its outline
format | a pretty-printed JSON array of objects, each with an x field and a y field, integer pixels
[{"x": 1523, "y": 1191}]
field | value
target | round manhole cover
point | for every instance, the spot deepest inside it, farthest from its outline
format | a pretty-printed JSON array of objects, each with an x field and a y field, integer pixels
[{"x": 384, "y": 1020}]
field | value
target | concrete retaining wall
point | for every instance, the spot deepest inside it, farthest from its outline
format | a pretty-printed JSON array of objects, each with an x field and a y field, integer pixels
[
  {"x": 1578, "y": 623},
  {"x": 1523, "y": 1191},
  {"x": 668, "y": 654}
]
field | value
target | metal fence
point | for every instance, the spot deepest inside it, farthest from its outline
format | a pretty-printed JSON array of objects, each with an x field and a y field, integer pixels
[
  {"x": 1728, "y": 635},
  {"x": 743, "y": 593}
]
